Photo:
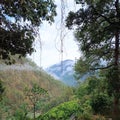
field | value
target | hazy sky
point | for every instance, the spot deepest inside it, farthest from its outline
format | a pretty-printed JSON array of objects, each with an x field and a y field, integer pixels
[{"x": 49, "y": 40}]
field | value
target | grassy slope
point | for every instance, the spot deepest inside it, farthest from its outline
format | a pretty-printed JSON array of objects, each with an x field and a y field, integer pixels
[{"x": 15, "y": 82}]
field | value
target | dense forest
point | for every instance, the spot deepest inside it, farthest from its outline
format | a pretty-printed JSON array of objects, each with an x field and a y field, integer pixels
[{"x": 30, "y": 93}]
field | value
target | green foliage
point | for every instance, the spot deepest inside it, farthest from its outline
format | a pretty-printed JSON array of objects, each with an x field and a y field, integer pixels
[
  {"x": 92, "y": 85},
  {"x": 18, "y": 80},
  {"x": 62, "y": 112},
  {"x": 55, "y": 102},
  {"x": 97, "y": 85},
  {"x": 2, "y": 102},
  {"x": 85, "y": 116},
  {"x": 21, "y": 113},
  {"x": 17, "y": 38},
  {"x": 95, "y": 31},
  {"x": 81, "y": 91},
  {"x": 36, "y": 90},
  {"x": 100, "y": 102},
  {"x": 2, "y": 89},
  {"x": 94, "y": 96},
  {"x": 35, "y": 94},
  {"x": 69, "y": 110},
  {"x": 98, "y": 35},
  {"x": 94, "y": 26},
  {"x": 113, "y": 85},
  {"x": 81, "y": 68}
]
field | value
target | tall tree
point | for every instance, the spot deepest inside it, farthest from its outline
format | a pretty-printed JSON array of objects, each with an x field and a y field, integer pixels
[
  {"x": 98, "y": 34},
  {"x": 18, "y": 22}
]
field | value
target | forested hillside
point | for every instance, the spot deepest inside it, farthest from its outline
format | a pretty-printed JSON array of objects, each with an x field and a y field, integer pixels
[{"x": 19, "y": 77}]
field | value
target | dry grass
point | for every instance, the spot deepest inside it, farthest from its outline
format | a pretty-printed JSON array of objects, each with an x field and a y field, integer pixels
[{"x": 15, "y": 82}]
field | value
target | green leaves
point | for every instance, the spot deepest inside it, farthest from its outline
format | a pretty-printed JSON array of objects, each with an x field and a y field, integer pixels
[
  {"x": 81, "y": 68},
  {"x": 62, "y": 112},
  {"x": 30, "y": 10},
  {"x": 35, "y": 93},
  {"x": 18, "y": 22},
  {"x": 2, "y": 89},
  {"x": 101, "y": 102},
  {"x": 37, "y": 90},
  {"x": 95, "y": 25}
]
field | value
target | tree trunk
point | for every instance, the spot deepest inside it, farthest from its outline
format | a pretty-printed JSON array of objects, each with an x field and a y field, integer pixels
[
  {"x": 34, "y": 109},
  {"x": 116, "y": 112}
]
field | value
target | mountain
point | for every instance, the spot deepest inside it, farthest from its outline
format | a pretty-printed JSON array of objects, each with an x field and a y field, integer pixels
[{"x": 64, "y": 72}]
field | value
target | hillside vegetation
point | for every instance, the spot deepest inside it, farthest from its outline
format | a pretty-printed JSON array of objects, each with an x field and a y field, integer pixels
[
  {"x": 31, "y": 94},
  {"x": 16, "y": 78}
]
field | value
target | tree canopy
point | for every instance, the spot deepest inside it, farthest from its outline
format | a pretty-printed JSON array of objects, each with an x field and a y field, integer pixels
[
  {"x": 18, "y": 22},
  {"x": 97, "y": 25}
]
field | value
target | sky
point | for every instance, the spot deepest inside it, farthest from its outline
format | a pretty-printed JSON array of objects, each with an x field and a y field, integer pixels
[{"x": 47, "y": 44}]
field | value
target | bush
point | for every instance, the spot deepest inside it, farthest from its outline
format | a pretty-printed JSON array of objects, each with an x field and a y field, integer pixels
[
  {"x": 98, "y": 117},
  {"x": 21, "y": 113},
  {"x": 100, "y": 103},
  {"x": 62, "y": 112},
  {"x": 85, "y": 116},
  {"x": 1, "y": 90}
]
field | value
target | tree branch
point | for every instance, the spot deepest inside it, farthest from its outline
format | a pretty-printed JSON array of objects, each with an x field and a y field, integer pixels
[
  {"x": 107, "y": 19},
  {"x": 117, "y": 7},
  {"x": 102, "y": 67}
]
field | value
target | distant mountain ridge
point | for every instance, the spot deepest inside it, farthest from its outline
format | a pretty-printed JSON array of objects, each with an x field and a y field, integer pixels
[{"x": 63, "y": 71}]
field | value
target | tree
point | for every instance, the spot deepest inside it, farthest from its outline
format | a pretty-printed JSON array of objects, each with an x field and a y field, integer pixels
[
  {"x": 34, "y": 95},
  {"x": 18, "y": 22},
  {"x": 101, "y": 102},
  {"x": 98, "y": 34}
]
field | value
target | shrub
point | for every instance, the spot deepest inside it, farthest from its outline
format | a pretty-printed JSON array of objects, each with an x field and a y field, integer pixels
[
  {"x": 62, "y": 112},
  {"x": 100, "y": 103},
  {"x": 1, "y": 90},
  {"x": 21, "y": 113}
]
